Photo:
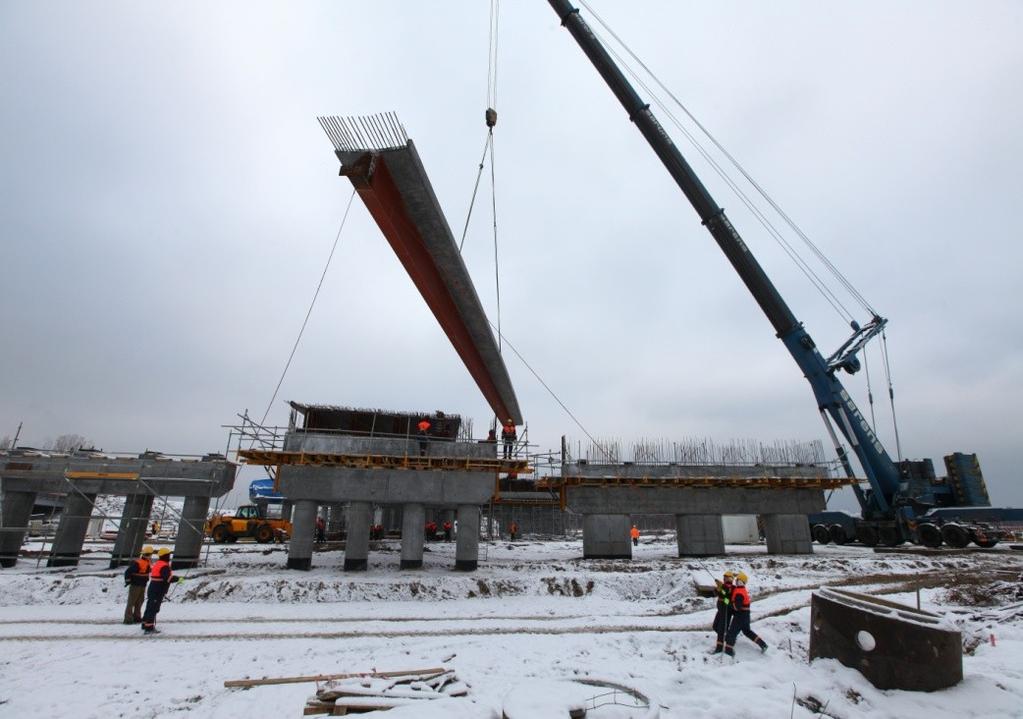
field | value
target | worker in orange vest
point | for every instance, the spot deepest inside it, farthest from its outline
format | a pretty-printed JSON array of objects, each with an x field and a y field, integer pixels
[
  {"x": 509, "y": 436},
  {"x": 740, "y": 617},
  {"x": 160, "y": 579},
  {"x": 513, "y": 530},
  {"x": 723, "y": 590},
  {"x": 634, "y": 533},
  {"x": 424, "y": 435},
  {"x": 136, "y": 577}
]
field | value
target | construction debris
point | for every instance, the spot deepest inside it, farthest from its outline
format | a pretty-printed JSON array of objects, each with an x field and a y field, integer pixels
[
  {"x": 359, "y": 695},
  {"x": 265, "y": 681}
]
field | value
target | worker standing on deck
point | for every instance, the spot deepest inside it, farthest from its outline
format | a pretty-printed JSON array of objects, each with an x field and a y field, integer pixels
[
  {"x": 740, "y": 617},
  {"x": 634, "y": 533},
  {"x": 136, "y": 577},
  {"x": 160, "y": 579},
  {"x": 424, "y": 435},
  {"x": 723, "y": 591},
  {"x": 509, "y": 436}
]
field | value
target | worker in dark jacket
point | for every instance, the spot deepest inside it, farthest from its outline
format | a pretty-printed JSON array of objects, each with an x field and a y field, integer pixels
[
  {"x": 723, "y": 591},
  {"x": 160, "y": 579},
  {"x": 509, "y": 436},
  {"x": 423, "y": 431},
  {"x": 740, "y": 617},
  {"x": 136, "y": 577}
]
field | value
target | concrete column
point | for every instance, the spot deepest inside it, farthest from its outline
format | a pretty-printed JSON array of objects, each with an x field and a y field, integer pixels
[
  {"x": 787, "y": 534},
  {"x": 127, "y": 530},
  {"x": 17, "y": 511},
  {"x": 360, "y": 514},
  {"x": 286, "y": 509},
  {"x": 303, "y": 524},
  {"x": 606, "y": 536},
  {"x": 467, "y": 544},
  {"x": 188, "y": 545},
  {"x": 335, "y": 519},
  {"x": 413, "y": 517},
  {"x": 699, "y": 535},
  {"x": 139, "y": 537},
  {"x": 74, "y": 523}
]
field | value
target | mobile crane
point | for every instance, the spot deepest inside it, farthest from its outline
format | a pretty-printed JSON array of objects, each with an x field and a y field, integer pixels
[{"x": 897, "y": 507}]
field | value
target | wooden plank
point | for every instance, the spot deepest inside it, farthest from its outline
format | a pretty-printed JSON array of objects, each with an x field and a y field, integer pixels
[{"x": 265, "y": 681}]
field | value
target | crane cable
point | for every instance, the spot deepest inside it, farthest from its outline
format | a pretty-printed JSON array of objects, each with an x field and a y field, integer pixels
[{"x": 842, "y": 279}]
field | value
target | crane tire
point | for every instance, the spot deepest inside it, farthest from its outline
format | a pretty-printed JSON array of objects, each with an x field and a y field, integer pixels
[
  {"x": 889, "y": 536},
  {"x": 955, "y": 535},
  {"x": 838, "y": 534},
  {"x": 930, "y": 535},
  {"x": 866, "y": 534},
  {"x": 821, "y": 535}
]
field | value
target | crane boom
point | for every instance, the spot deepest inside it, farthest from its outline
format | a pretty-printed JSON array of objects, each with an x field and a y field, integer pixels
[{"x": 832, "y": 398}]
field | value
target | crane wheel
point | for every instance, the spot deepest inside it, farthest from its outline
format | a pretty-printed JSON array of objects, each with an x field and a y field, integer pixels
[
  {"x": 838, "y": 534},
  {"x": 264, "y": 534},
  {"x": 955, "y": 535},
  {"x": 981, "y": 539},
  {"x": 221, "y": 534},
  {"x": 889, "y": 536},
  {"x": 867, "y": 535},
  {"x": 821, "y": 535},
  {"x": 930, "y": 535}
]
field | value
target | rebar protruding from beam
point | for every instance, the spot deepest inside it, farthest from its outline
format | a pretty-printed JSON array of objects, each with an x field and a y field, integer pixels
[{"x": 364, "y": 132}]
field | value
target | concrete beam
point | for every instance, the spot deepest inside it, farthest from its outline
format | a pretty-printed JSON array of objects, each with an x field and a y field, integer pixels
[
  {"x": 614, "y": 499},
  {"x": 383, "y": 486}
]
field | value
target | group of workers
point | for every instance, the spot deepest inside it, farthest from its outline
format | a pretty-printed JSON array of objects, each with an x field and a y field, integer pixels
[
  {"x": 157, "y": 576},
  {"x": 508, "y": 436},
  {"x": 732, "y": 617}
]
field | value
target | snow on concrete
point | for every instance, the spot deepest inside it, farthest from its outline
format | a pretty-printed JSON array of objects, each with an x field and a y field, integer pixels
[{"x": 533, "y": 614}]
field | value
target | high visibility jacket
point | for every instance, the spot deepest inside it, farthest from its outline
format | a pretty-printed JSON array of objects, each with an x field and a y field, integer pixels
[
  {"x": 724, "y": 592},
  {"x": 508, "y": 432},
  {"x": 161, "y": 572},
  {"x": 137, "y": 572},
  {"x": 424, "y": 426},
  {"x": 740, "y": 599},
  {"x": 634, "y": 532}
]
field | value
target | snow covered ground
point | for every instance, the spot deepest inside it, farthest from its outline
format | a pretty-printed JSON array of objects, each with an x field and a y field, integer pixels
[{"x": 533, "y": 613}]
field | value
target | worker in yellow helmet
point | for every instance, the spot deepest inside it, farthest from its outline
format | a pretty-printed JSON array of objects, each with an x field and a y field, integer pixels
[
  {"x": 136, "y": 577},
  {"x": 723, "y": 591},
  {"x": 740, "y": 617},
  {"x": 161, "y": 577}
]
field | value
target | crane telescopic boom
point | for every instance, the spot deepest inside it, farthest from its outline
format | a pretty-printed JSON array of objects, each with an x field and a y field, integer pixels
[{"x": 832, "y": 398}]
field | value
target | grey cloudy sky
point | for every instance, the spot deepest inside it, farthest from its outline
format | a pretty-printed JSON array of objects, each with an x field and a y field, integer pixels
[{"x": 167, "y": 202}]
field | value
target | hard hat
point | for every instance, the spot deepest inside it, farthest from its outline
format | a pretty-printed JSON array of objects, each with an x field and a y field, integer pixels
[
  {"x": 729, "y": 574},
  {"x": 163, "y": 552},
  {"x": 741, "y": 576},
  {"x": 147, "y": 549}
]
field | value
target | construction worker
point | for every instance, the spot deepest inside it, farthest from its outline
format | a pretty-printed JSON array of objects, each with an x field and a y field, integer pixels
[
  {"x": 740, "y": 617},
  {"x": 424, "y": 435},
  {"x": 447, "y": 530},
  {"x": 136, "y": 577},
  {"x": 509, "y": 436},
  {"x": 634, "y": 533},
  {"x": 321, "y": 530},
  {"x": 723, "y": 591},
  {"x": 513, "y": 530},
  {"x": 160, "y": 579}
]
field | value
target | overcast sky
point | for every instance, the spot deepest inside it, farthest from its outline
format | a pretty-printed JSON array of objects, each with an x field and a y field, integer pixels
[{"x": 168, "y": 201}]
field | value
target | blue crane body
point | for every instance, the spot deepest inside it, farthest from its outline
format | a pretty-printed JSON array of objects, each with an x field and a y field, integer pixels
[{"x": 889, "y": 511}]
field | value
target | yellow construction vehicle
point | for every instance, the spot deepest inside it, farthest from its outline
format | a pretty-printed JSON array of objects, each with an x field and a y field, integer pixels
[{"x": 249, "y": 520}]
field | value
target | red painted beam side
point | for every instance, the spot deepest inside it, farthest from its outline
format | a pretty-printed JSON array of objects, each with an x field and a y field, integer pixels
[{"x": 383, "y": 200}]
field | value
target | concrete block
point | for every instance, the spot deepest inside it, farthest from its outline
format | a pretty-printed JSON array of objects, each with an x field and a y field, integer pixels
[
  {"x": 467, "y": 543},
  {"x": 699, "y": 535},
  {"x": 788, "y": 534},
  {"x": 606, "y": 536}
]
